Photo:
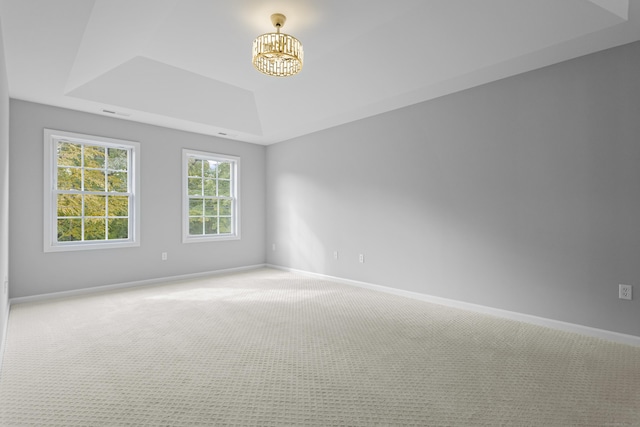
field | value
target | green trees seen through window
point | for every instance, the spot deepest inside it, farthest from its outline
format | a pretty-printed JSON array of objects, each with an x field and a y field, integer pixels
[
  {"x": 210, "y": 196},
  {"x": 92, "y": 197}
]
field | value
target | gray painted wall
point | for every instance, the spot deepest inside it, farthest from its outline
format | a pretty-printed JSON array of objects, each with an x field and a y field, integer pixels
[
  {"x": 522, "y": 194},
  {"x": 34, "y": 272},
  {"x": 4, "y": 189}
]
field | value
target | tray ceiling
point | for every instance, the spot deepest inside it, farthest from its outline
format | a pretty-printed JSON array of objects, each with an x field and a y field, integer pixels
[{"x": 186, "y": 64}]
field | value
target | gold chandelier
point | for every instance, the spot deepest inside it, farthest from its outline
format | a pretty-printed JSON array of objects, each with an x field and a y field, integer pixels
[{"x": 277, "y": 54}]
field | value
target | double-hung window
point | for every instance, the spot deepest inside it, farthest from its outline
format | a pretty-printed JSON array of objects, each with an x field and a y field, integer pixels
[
  {"x": 210, "y": 196},
  {"x": 91, "y": 192}
]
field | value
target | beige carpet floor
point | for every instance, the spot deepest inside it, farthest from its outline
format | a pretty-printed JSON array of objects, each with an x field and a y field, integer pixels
[{"x": 272, "y": 348}]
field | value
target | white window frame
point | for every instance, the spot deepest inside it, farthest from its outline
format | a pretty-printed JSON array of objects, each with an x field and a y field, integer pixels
[
  {"x": 51, "y": 244},
  {"x": 235, "y": 195}
]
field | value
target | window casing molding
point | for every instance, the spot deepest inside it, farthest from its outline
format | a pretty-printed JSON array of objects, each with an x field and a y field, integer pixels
[
  {"x": 51, "y": 192},
  {"x": 232, "y": 198}
]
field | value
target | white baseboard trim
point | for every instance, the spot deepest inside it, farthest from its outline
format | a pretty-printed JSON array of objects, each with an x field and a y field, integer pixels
[
  {"x": 148, "y": 282},
  {"x": 521, "y": 317}
]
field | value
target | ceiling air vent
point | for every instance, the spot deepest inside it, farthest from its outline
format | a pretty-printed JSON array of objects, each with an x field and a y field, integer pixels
[{"x": 116, "y": 113}]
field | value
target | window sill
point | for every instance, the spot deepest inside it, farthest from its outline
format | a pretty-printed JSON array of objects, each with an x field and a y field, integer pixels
[
  {"x": 88, "y": 246},
  {"x": 205, "y": 239}
]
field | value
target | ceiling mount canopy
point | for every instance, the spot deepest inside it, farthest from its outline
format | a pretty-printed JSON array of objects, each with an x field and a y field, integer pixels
[{"x": 277, "y": 54}]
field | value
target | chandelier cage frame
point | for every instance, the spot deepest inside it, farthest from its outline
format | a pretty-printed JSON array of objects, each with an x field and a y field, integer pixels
[{"x": 278, "y": 54}]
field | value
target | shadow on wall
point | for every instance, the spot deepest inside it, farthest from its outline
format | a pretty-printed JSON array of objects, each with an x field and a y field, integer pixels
[{"x": 437, "y": 218}]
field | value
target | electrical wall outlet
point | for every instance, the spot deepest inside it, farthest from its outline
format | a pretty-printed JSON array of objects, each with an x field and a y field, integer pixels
[
  {"x": 625, "y": 291},
  {"x": 361, "y": 258},
  {"x": 164, "y": 256},
  {"x": 335, "y": 255},
  {"x": 273, "y": 247},
  {"x": 5, "y": 286}
]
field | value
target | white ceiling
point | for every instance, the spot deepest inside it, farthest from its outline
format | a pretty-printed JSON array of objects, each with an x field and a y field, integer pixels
[{"x": 186, "y": 64}]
